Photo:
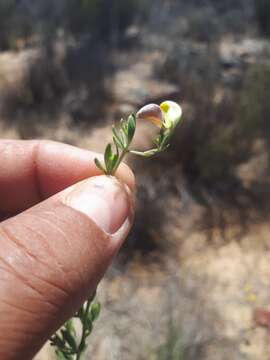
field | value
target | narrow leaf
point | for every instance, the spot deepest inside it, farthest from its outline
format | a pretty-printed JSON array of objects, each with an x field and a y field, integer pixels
[
  {"x": 70, "y": 327},
  {"x": 164, "y": 143},
  {"x": 98, "y": 164},
  {"x": 123, "y": 137},
  {"x": 116, "y": 148},
  {"x": 117, "y": 138},
  {"x": 124, "y": 127},
  {"x": 69, "y": 339},
  {"x": 131, "y": 126},
  {"x": 110, "y": 159},
  {"x": 108, "y": 156},
  {"x": 95, "y": 311},
  {"x": 117, "y": 143},
  {"x": 62, "y": 356},
  {"x": 113, "y": 162},
  {"x": 57, "y": 341}
]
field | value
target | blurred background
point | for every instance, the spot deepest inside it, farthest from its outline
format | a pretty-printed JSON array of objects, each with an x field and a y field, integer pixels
[{"x": 195, "y": 270}]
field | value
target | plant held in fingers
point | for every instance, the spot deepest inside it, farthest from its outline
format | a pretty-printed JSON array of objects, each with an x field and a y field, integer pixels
[
  {"x": 69, "y": 345},
  {"x": 166, "y": 116}
]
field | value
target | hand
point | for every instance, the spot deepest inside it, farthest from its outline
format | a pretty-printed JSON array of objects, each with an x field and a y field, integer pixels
[{"x": 59, "y": 233}]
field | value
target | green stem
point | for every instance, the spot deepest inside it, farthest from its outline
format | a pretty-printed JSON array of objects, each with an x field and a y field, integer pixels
[
  {"x": 120, "y": 159},
  {"x": 147, "y": 153},
  {"x": 84, "y": 331}
]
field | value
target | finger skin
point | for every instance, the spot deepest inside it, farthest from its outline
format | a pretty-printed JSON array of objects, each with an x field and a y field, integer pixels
[
  {"x": 31, "y": 171},
  {"x": 52, "y": 258}
]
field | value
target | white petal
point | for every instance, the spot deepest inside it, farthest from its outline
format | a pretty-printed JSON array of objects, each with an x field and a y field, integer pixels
[{"x": 172, "y": 113}]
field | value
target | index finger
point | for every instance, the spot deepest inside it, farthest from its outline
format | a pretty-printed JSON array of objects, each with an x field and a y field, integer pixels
[{"x": 31, "y": 171}]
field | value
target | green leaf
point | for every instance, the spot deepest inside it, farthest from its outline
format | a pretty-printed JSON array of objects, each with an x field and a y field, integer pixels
[
  {"x": 116, "y": 147},
  {"x": 124, "y": 126},
  {"x": 95, "y": 311},
  {"x": 117, "y": 144},
  {"x": 62, "y": 356},
  {"x": 117, "y": 139},
  {"x": 98, "y": 164},
  {"x": 108, "y": 155},
  {"x": 164, "y": 142},
  {"x": 113, "y": 162},
  {"x": 110, "y": 159},
  {"x": 69, "y": 339},
  {"x": 57, "y": 341},
  {"x": 70, "y": 327},
  {"x": 131, "y": 127},
  {"x": 89, "y": 324},
  {"x": 123, "y": 137}
]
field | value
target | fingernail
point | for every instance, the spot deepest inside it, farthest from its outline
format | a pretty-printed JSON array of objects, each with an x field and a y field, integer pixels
[{"x": 104, "y": 200}]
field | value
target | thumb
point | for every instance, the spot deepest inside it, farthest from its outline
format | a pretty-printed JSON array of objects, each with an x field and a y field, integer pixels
[{"x": 52, "y": 258}]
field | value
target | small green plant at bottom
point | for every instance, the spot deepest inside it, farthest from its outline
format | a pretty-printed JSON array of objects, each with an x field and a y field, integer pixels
[{"x": 68, "y": 344}]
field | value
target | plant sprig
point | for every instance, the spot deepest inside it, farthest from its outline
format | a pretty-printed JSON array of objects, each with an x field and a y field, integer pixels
[
  {"x": 122, "y": 138},
  {"x": 70, "y": 346},
  {"x": 166, "y": 116}
]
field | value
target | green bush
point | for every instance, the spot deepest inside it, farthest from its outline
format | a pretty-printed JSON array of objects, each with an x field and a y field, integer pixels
[
  {"x": 219, "y": 134},
  {"x": 233, "y": 127}
]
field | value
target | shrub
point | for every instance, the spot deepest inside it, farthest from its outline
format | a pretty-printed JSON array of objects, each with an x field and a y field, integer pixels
[
  {"x": 224, "y": 137},
  {"x": 219, "y": 135}
]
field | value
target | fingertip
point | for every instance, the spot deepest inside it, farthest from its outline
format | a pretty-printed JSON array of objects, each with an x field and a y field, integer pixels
[
  {"x": 125, "y": 174},
  {"x": 103, "y": 199},
  {"x": 34, "y": 170},
  {"x": 64, "y": 165}
]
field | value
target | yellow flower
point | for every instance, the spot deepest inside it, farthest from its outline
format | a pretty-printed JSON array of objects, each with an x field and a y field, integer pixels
[
  {"x": 166, "y": 115},
  {"x": 172, "y": 113}
]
